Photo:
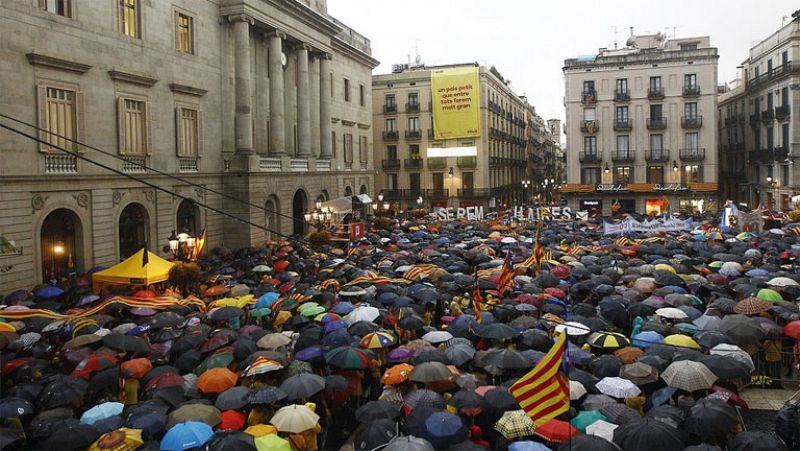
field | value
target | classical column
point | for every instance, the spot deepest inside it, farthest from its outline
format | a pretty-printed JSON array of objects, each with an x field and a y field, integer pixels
[
  {"x": 303, "y": 105},
  {"x": 276, "y": 113},
  {"x": 326, "y": 147},
  {"x": 244, "y": 115}
]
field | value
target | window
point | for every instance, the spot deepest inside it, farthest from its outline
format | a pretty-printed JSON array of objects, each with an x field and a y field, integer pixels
[
  {"x": 414, "y": 181},
  {"x": 770, "y": 102},
  {"x": 589, "y": 114},
  {"x": 655, "y": 174},
  {"x": 188, "y": 125},
  {"x": 391, "y": 181},
  {"x": 347, "y": 142},
  {"x": 184, "y": 33},
  {"x": 330, "y": 78},
  {"x": 467, "y": 180},
  {"x": 413, "y": 124},
  {"x": 588, "y": 86},
  {"x": 769, "y": 66},
  {"x": 688, "y": 46},
  {"x": 784, "y": 96},
  {"x": 590, "y": 145},
  {"x": 346, "y": 90},
  {"x": 438, "y": 180},
  {"x": 690, "y": 110},
  {"x": 133, "y": 127},
  {"x": 690, "y": 81},
  {"x": 656, "y": 144},
  {"x": 655, "y": 83},
  {"x": 623, "y": 175},
  {"x": 391, "y": 152},
  {"x": 333, "y": 144},
  {"x": 785, "y": 175},
  {"x": 391, "y": 125},
  {"x": 590, "y": 176},
  {"x": 390, "y": 101},
  {"x": 361, "y": 95},
  {"x": 413, "y": 99},
  {"x": 691, "y": 174},
  {"x": 58, "y": 115},
  {"x": 785, "y": 136},
  {"x": 656, "y": 112},
  {"x": 770, "y": 138},
  {"x": 622, "y": 114},
  {"x": 622, "y": 85},
  {"x": 757, "y": 140},
  {"x": 785, "y": 57},
  {"x": 60, "y": 7},
  {"x": 362, "y": 149},
  {"x": 129, "y": 18},
  {"x": 622, "y": 145},
  {"x": 413, "y": 152},
  {"x": 692, "y": 141}
]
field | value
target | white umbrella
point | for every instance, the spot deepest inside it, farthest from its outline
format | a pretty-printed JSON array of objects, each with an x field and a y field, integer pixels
[
  {"x": 273, "y": 341},
  {"x": 777, "y": 231},
  {"x": 573, "y": 328},
  {"x": 294, "y": 419},
  {"x": 362, "y": 313},
  {"x": 671, "y": 312},
  {"x": 261, "y": 268},
  {"x": 782, "y": 282},
  {"x": 602, "y": 429},
  {"x": 617, "y": 387},
  {"x": 734, "y": 352},
  {"x": 508, "y": 240},
  {"x": 688, "y": 375},
  {"x": 576, "y": 390},
  {"x": 437, "y": 336}
]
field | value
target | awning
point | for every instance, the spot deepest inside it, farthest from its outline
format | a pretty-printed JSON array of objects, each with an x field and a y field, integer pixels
[
  {"x": 344, "y": 205},
  {"x": 135, "y": 270}
]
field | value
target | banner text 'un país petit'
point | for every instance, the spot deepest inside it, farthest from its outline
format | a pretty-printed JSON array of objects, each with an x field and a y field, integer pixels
[{"x": 456, "y": 103}]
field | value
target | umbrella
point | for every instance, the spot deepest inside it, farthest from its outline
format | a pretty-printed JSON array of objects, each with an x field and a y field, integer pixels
[
  {"x": 376, "y": 434},
  {"x": 620, "y": 413},
  {"x": 122, "y": 439},
  {"x": 136, "y": 368},
  {"x": 752, "y": 306},
  {"x": 266, "y": 395},
  {"x": 437, "y": 336},
  {"x": 670, "y": 415},
  {"x": 710, "y": 418},
  {"x": 741, "y": 329},
  {"x": 232, "y": 440},
  {"x": 233, "y": 398},
  {"x": 190, "y": 434},
  {"x": 362, "y": 313},
  {"x": 430, "y": 372},
  {"x": 608, "y": 340},
  {"x": 273, "y": 341},
  {"x": 126, "y": 343},
  {"x": 681, "y": 341},
  {"x": 596, "y": 402},
  {"x": 671, "y": 312},
  {"x": 377, "y": 340},
  {"x": 261, "y": 365},
  {"x": 216, "y": 380},
  {"x": 648, "y": 434},
  {"x": 101, "y": 412},
  {"x": 459, "y": 354},
  {"x": 498, "y": 331},
  {"x": 756, "y": 441},
  {"x": 576, "y": 390},
  {"x": 271, "y": 442},
  {"x": 639, "y": 373},
  {"x": 218, "y": 360},
  {"x": 377, "y": 410},
  {"x": 408, "y": 443},
  {"x": 497, "y": 361},
  {"x": 302, "y": 386},
  {"x": 70, "y": 436},
  {"x": 647, "y": 338},
  {"x": 585, "y": 418},
  {"x": 15, "y": 407},
  {"x": 346, "y": 357},
  {"x": 725, "y": 367},
  {"x": 443, "y": 428},
  {"x": 397, "y": 374},
  {"x": 294, "y": 419},
  {"x": 424, "y": 398},
  {"x": 467, "y": 402},
  {"x": 688, "y": 375},
  {"x": 618, "y": 387},
  {"x": 734, "y": 352},
  {"x": 203, "y": 413},
  {"x": 556, "y": 431},
  {"x": 602, "y": 431}
]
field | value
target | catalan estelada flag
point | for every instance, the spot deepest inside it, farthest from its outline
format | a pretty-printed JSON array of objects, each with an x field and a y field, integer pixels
[
  {"x": 506, "y": 276},
  {"x": 543, "y": 393},
  {"x": 198, "y": 245},
  {"x": 477, "y": 299},
  {"x": 538, "y": 249}
]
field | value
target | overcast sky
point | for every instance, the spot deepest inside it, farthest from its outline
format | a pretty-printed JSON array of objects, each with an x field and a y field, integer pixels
[{"x": 528, "y": 40}]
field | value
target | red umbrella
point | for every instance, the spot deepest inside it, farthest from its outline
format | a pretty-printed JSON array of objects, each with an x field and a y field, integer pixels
[
  {"x": 165, "y": 380},
  {"x": 792, "y": 329},
  {"x": 94, "y": 363},
  {"x": 555, "y": 292},
  {"x": 556, "y": 431},
  {"x": 12, "y": 365},
  {"x": 145, "y": 294},
  {"x": 730, "y": 397},
  {"x": 215, "y": 342},
  {"x": 136, "y": 368}
]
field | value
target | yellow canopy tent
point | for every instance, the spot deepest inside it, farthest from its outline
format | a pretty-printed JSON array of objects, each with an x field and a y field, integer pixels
[{"x": 135, "y": 270}]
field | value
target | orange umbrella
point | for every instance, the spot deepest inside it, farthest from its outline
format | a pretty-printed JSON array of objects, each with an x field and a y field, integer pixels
[
  {"x": 217, "y": 290},
  {"x": 5, "y": 327},
  {"x": 397, "y": 374},
  {"x": 628, "y": 354},
  {"x": 216, "y": 380},
  {"x": 136, "y": 368}
]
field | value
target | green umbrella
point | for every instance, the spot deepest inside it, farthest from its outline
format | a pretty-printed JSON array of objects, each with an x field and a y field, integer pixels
[
  {"x": 307, "y": 305},
  {"x": 688, "y": 328},
  {"x": 770, "y": 295},
  {"x": 256, "y": 312},
  {"x": 312, "y": 311},
  {"x": 587, "y": 417},
  {"x": 221, "y": 360}
]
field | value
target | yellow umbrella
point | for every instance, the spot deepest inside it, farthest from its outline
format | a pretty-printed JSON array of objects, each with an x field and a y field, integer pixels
[
  {"x": 123, "y": 439},
  {"x": 241, "y": 301},
  {"x": 681, "y": 340},
  {"x": 261, "y": 429},
  {"x": 665, "y": 267}
]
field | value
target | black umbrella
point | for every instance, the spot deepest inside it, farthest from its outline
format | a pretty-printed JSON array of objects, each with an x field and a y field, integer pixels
[
  {"x": 232, "y": 398},
  {"x": 126, "y": 343},
  {"x": 710, "y": 418},
  {"x": 500, "y": 400},
  {"x": 606, "y": 366},
  {"x": 104, "y": 379},
  {"x": 741, "y": 329},
  {"x": 725, "y": 367},
  {"x": 225, "y": 313},
  {"x": 431, "y": 355},
  {"x": 375, "y": 435},
  {"x": 648, "y": 434},
  {"x": 757, "y": 441},
  {"x": 188, "y": 361},
  {"x": 464, "y": 400},
  {"x": 361, "y": 328},
  {"x": 61, "y": 391},
  {"x": 8, "y": 436},
  {"x": 15, "y": 407},
  {"x": 231, "y": 441},
  {"x": 587, "y": 443},
  {"x": 377, "y": 410},
  {"x": 666, "y": 413},
  {"x": 303, "y": 385},
  {"x": 500, "y": 361},
  {"x": 710, "y": 338},
  {"x": 70, "y": 437},
  {"x": 167, "y": 319},
  {"x": 536, "y": 339},
  {"x": 498, "y": 331},
  {"x": 411, "y": 322}
]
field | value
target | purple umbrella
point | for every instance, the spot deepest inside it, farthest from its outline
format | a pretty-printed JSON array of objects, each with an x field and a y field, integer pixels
[
  {"x": 310, "y": 353},
  {"x": 398, "y": 355}
]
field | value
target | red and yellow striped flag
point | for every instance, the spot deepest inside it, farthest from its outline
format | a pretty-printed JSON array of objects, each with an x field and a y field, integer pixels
[
  {"x": 543, "y": 393},
  {"x": 506, "y": 276},
  {"x": 420, "y": 271},
  {"x": 477, "y": 299}
]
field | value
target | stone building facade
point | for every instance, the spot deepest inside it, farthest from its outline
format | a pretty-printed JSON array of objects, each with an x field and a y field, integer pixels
[
  {"x": 262, "y": 101},
  {"x": 641, "y": 127}
]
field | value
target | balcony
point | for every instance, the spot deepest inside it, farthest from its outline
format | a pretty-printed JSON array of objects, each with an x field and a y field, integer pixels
[
  {"x": 781, "y": 153},
  {"x": 755, "y": 119},
  {"x": 57, "y": 163},
  {"x": 691, "y": 91},
  {"x": 590, "y": 127},
  {"x": 655, "y": 93},
  {"x": 438, "y": 193},
  {"x": 589, "y": 97},
  {"x": 413, "y": 193},
  {"x": 430, "y": 133},
  {"x": 437, "y": 163},
  {"x": 777, "y": 72},
  {"x": 188, "y": 165},
  {"x": 782, "y": 112},
  {"x": 392, "y": 194},
  {"x": 412, "y": 107},
  {"x": 412, "y": 163},
  {"x": 467, "y": 162},
  {"x": 134, "y": 165},
  {"x": 473, "y": 193},
  {"x": 389, "y": 108},
  {"x": 767, "y": 116},
  {"x": 591, "y": 157},
  {"x": 413, "y": 134},
  {"x": 623, "y": 125},
  {"x": 391, "y": 135},
  {"x": 691, "y": 121},
  {"x": 390, "y": 164},
  {"x": 656, "y": 156},
  {"x": 656, "y": 123},
  {"x": 693, "y": 154},
  {"x": 623, "y": 156},
  {"x": 621, "y": 96}
]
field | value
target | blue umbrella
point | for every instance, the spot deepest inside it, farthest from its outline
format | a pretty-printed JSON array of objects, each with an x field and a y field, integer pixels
[
  {"x": 578, "y": 355},
  {"x": 757, "y": 272},
  {"x": 331, "y": 326},
  {"x": 49, "y": 292},
  {"x": 101, "y": 412},
  {"x": 266, "y": 300},
  {"x": 647, "y": 338},
  {"x": 528, "y": 445},
  {"x": 151, "y": 423},
  {"x": 343, "y": 308},
  {"x": 339, "y": 337},
  {"x": 443, "y": 428},
  {"x": 659, "y": 397},
  {"x": 109, "y": 424},
  {"x": 189, "y": 434}
]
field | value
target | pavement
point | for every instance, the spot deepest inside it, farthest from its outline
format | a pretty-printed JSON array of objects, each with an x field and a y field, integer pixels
[{"x": 767, "y": 398}]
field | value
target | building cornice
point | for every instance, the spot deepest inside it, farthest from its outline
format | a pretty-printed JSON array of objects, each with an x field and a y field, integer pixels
[
  {"x": 188, "y": 90},
  {"x": 38, "y": 59},
  {"x": 354, "y": 53},
  {"x": 135, "y": 79},
  {"x": 296, "y": 10},
  {"x": 641, "y": 58}
]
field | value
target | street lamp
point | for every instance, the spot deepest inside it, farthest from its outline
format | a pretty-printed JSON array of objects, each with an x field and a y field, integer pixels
[
  {"x": 380, "y": 196},
  {"x": 606, "y": 169},
  {"x": 450, "y": 173},
  {"x": 674, "y": 166},
  {"x": 181, "y": 245},
  {"x": 419, "y": 201}
]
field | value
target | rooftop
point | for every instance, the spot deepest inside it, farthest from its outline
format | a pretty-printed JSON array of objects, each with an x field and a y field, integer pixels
[{"x": 645, "y": 49}]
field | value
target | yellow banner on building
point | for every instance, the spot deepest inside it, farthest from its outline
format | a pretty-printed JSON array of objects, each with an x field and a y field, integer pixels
[{"x": 456, "y": 103}]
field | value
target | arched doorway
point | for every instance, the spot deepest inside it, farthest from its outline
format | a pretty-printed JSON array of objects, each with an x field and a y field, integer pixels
[
  {"x": 299, "y": 208},
  {"x": 133, "y": 225},
  {"x": 348, "y": 191},
  {"x": 363, "y": 189},
  {"x": 188, "y": 217},
  {"x": 61, "y": 240},
  {"x": 273, "y": 219}
]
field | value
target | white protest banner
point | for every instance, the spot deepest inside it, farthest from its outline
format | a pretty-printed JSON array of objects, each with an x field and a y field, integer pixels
[{"x": 632, "y": 225}]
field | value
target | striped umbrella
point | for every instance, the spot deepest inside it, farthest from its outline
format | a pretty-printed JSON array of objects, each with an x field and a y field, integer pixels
[
  {"x": 262, "y": 365},
  {"x": 377, "y": 340},
  {"x": 346, "y": 357},
  {"x": 608, "y": 340}
]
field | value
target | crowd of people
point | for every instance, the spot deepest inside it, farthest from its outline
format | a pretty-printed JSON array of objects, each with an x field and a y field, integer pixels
[{"x": 403, "y": 340}]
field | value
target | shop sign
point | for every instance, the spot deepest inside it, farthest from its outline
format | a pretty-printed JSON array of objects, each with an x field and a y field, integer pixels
[
  {"x": 610, "y": 188},
  {"x": 671, "y": 188}
]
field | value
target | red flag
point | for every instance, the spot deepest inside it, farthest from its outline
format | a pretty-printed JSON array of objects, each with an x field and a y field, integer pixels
[
  {"x": 538, "y": 249},
  {"x": 477, "y": 299},
  {"x": 506, "y": 276}
]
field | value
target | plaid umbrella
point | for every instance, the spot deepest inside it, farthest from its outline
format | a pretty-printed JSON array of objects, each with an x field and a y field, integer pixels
[
  {"x": 688, "y": 375},
  {"x": 266, "y": 395},
  {"x": 515, "y": 424},
  {"x": 752, "y": 306},
  {"x": 424, "y": 398}
]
